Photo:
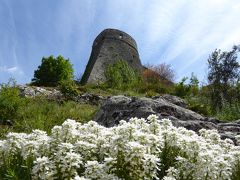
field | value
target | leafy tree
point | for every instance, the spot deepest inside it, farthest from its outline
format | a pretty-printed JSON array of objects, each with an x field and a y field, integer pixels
[
  {"x": 52, "y": 71},
  {"x": 223, "y": 72}
]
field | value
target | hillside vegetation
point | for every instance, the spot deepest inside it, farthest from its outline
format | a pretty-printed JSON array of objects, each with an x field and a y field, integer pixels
[{"x": 139, "y": 149}]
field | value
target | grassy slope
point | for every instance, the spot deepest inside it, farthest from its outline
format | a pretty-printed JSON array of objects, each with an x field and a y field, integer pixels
[{"x": 39, "y": 113}]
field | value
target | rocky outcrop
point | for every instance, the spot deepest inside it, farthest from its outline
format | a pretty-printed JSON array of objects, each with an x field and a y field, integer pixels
[
  {"x": 54, "y": 94},
  {"x": 90, "y": 99},
  {"x": 174, "y": 99},
  {"x": 117, "y": 108},
  {"x": 32, "y": 91}
]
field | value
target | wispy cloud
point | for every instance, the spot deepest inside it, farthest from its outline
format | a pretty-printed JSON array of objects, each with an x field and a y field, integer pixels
[
  {"x": 182, "y": 33},
  {"x": 12, "y": 70}
]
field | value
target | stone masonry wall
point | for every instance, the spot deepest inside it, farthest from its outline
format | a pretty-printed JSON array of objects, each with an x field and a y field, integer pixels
[{"x": 110, "y": 46}]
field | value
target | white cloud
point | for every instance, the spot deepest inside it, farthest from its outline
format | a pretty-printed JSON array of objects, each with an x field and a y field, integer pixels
[
  {"x": 182, "y": 33},
  {"x": 12, "y": 70}
]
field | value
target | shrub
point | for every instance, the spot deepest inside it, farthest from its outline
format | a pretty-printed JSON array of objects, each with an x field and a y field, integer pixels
[
  {"x": 52, "y": 71},
  {"x": 181, "y": 89},
  {"x": 229, "y": 112},
  {"x": 121, "y": 76},
  {"x": 10, "y": 101},
  {"x": 150, "y": 76},
  {"x": 150, "y": 93},
  {"x": 164, "y": 71},
  {"x": 69, "y": 89},
  {"x": 152, "y": 83},
  {"x": 156, "y": 88},
  {"x": 199, "y": 105}
]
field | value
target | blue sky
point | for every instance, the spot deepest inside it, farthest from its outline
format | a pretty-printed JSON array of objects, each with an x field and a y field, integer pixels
[{"x": 179, "y": 32}]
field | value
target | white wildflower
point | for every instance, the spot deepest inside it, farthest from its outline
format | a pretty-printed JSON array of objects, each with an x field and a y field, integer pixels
[
  {"x": 43, "y": 169},
  {"x": 131, "y": 150}
]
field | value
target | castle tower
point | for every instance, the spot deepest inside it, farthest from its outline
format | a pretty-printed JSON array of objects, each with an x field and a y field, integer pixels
[{"x": 110, "y": 46}]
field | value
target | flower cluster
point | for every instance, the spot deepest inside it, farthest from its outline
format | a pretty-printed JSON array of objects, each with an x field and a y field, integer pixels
[{"x": 138, "y": 149}]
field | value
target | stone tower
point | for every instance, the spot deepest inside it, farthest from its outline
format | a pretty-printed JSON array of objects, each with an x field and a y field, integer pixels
[{"x": 110, "y": 46}]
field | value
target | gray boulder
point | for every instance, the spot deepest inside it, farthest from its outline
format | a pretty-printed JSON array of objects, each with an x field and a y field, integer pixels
[
  {"x": 175, "y": 100},
  {"x": 118, "y": 108},
  {"x": 33, "y": 91},
  {"x": 90, "y": 99}
]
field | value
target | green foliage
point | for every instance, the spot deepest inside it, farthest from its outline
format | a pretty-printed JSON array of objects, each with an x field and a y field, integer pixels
[
  {"x": 10, "y": 101},
  {"x": 69, "y": 89},
  {"x": 223, "y": 66},
  {"x": 52, "y": 71},
  {"x": 150, "y": 93},
  {"x": 121, "y": 76},
  {"x": 194, "y": 85},
  {"x": 194, "y": 95},
  {"x": 168, "y": 159},
  {"x": 223, "y": 72},
  {"x": 181, "y": 89},
  {"x": 153, "y": 88},
  {"x": 229, "y": 112},
  {"x": 236, "y": 172},
  {"x": 16, "y": 167},
  {"x": 40, "y": 113},
  {"x": 198, "y": 104}
]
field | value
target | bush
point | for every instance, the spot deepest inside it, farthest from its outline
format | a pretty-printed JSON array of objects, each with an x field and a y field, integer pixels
[
  {"x": 69, "y": 89},
  {"x": 52, "y": 71},
  {"x": 181, "y": 89},
  {"x": 229, "y": 112},
  {"x": 157, "y": 88},
  {"x": 138, "y": 149},
  {"x": 197, "y": 104},
  {"x": 150, "y": 93},
  {"x": 152, "y": 83},
  {"x": 121, "y": 76},
  {"x": 163, "y": 71},
  {"x": 10, "y": 101},
  {"x": 150, "y": 76}
]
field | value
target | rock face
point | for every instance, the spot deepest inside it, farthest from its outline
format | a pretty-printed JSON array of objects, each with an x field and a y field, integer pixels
[
  {"x": 175, "y": 100},
  {"x": 32, "y": 91},
  {"x": 90, "y": 99},
  {"x": 54, "y": 94},
  {"x": 110, "y": 46},
  {"x": 117, "y": 108}
]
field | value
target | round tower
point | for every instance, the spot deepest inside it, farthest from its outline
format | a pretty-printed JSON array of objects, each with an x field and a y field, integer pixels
[{"x": 110, "y": 46}]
